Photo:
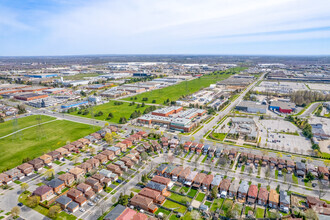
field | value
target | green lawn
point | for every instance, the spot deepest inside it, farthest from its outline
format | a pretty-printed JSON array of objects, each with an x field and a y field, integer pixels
[
  {"x": 187, "y": 216},
  {"x": 185, "y": 189},
  {"x": 200, "y": 197},
  {"x": 65, "y": 216},
  {"x": 203, "y": 161},
  {"x": 192, "y": 192},
  {"x": 208, "y": 203},
  {"x": 166, "y": 212},
  {"x": 22, "y": 198},
  {"x": 276, "y": 174},
  {"x": 136, "y": 190},
  {"x": 175, "y": 188},
  {"x": 179, "y": 198},
  {"x": 177, "y": 207},
  {"x": 7, "y": 127},
  {"x": 173, "y": 217},
  {"x": 294, "y": 179},
  {"x": 33, "y": 144},
  {"x": 238, "y": 207},
  {"x": 117, "y": 111},
  {"x": 228, "y": 204},
  {"x": 247, "y": 209},
  {"x": 174, "y": 92},
  {"x": 80, "y": 76},
  {"x": 217, "y": 204},
  {"x": 220, "y": 136},
  {"x": 260, "y": 213}
]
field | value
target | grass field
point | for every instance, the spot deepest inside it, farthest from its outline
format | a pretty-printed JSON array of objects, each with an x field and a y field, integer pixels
[
  {"x": 217, "y": 204},
  {"x": 260, "y": 213},
  {"x": 179, "y": 208},
  {"x": 166, "y": 212},
  {"x": 247, "y": 209},
  {"x": 117, "y": 111},
  {"x": 80, "y": 76},
  {"x": 219, "y": 136},
  {"x": 192, "y": 192},
  {"x": 179, "y": 198},
  {"x": 175, "y": 92},
  {"x": 200, "y": 197},
  {"x": 33, "y": 144},
  {"x": 7, "y": 127}
]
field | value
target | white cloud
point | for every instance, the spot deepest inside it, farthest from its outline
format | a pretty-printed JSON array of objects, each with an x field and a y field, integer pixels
[{"x": 138, "y": 26}]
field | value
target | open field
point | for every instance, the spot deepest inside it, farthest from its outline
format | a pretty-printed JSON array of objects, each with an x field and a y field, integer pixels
[
  {"x": 174, "y": 92},
  {"x": 80, "y": 76},
  {"x": 7, "y": 127},
  {"x": 179, "y": 198},
  {"x": 118, "y": 111},
  {"x": 179, "y": 208},
  {"x": 33, "y": 142}
]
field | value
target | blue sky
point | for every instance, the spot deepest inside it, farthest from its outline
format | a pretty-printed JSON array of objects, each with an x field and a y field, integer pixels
[{"x": 78, "y": 27}]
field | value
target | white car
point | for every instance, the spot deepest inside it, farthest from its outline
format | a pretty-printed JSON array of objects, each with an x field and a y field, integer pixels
[{"x": 82, "y": 210}]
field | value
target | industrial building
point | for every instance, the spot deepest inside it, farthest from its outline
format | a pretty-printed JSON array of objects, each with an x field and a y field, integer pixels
[
  {"x": 54, "y": 90},
  {"x": 173, "y": 118},
  {"x": 74, "y": 105},
  {"x": 30, "y": 96},
  {"x": 165, "y": 112},
  {"x": 251, "y": 107},
  {"x": 282, "y": 107},
  {"x": 40, "y": 76}
]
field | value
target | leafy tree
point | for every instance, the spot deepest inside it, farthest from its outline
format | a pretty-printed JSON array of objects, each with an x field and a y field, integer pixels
[
  {"x": 214, "y": 192},
  {"x": 122, "y": 120},
  {"x": 50, "y": 173},
  {"x": 110, "y": 116},
  {"x": 53, "y": 211},
  {"x": 108, "y": 138},
  {"x": 195, "y": 215},
  {"x": 123, "y": 199},
  {"x": 15, "y": 211},
  {"x": 24, "y": 186},
  {"x": 131, "y": 195},
  {"x": 144, "y": 156},
  {"x": 33, "y": 201},
  {"x": 310, "y": 214}
]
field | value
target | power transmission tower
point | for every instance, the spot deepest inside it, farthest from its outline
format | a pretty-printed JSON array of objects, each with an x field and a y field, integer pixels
[
  {"x": 92, "y": 113},
  {"x": 17, "y": 133},
  {"x": 40, "y": 130}
]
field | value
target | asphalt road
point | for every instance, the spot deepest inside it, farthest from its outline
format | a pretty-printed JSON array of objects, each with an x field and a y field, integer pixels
[{"x": 207, "y": 127}]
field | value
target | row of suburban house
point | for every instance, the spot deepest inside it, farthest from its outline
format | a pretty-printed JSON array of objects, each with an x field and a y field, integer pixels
[
  {"x": 77, "y": 196},
  {"x": 155, "y": 192},
  {"x": 121, "y": 212},
  {"x": 299, "y": 168},
  {"x": 27, "y": 169},
  {"x": 211, "y": 151},
  {"x": 242, "y": 190}
]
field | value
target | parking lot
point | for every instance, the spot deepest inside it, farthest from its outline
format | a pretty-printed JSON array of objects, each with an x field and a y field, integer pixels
[{"x": 275, "y": 134}]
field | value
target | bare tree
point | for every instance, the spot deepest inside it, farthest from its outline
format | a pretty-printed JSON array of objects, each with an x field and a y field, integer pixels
[
  {"x": 171, "y": 158},
  {"x": 322, "y": 190}
]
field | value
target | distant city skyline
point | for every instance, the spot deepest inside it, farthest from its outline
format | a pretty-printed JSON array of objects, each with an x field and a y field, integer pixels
[{"x": 240, "y": 27}]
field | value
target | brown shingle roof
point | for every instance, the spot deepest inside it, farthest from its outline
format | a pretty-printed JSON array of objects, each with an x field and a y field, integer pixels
[
  {"x": 263, "y": 194},
  {"x": 274, "y": 196}
]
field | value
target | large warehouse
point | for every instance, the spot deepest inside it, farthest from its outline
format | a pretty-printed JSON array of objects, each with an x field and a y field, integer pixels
[
  {"x": 30, "y": 96},
  {"x": 251, "y": 107},
  {"x": 283, "y": 107}
]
